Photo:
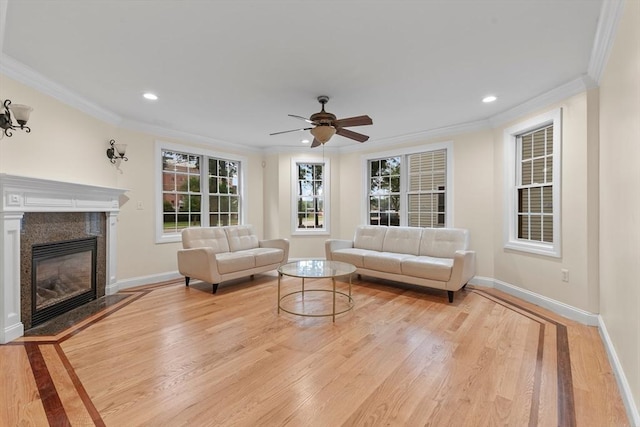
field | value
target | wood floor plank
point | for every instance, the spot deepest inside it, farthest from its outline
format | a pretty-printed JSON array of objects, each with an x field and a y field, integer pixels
[
  {"x": 20, "y": 402},
  {"x": 176, "y": 355}
]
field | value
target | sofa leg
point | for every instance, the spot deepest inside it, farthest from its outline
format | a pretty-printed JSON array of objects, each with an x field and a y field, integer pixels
[
  {"x": 215, "y": 288},
  {"x": 465, "y": 285},
  {"x": 450, "y": 295},
  {"x": 186, "y": 280},
  {"x": 251, "y": 277}
]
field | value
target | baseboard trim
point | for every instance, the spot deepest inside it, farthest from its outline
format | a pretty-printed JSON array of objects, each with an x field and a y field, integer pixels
[
  {"x": 145, "y": 280},
  {"x": 557, "y": 307},
  {"x": 621, "y": 378}
]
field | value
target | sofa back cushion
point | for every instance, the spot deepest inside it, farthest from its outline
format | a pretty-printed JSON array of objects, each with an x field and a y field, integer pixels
[
  {"x": 205, "y": 237},
  {"x": 402, "y": 240},
  {"x": 369, "y": 237},
  {"x": 443, "y": 242},
  {"x": 241, "y": 237}
]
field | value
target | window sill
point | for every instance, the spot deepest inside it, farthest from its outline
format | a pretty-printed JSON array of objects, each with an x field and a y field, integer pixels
[
  {"x": 169, "y": 238},
  {"x": 310, "y": 233},
  {"x": 534, "y": 248}
]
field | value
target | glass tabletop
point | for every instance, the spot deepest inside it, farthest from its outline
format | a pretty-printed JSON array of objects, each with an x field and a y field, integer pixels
[{"x": 316, "y": 268}]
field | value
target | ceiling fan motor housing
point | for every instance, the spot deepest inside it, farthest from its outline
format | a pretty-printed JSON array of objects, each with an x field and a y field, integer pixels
[{"x": 323, "y": 118}]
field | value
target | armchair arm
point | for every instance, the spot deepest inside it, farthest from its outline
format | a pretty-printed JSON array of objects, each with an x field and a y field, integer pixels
[
  {"x": 277, "y": 244},
  {"x": 334, "y": 244},
  {"x": 199, "y": 263},
  {"x": 464, "y": 268}
]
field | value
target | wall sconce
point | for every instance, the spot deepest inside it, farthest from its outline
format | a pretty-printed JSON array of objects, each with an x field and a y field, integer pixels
[
  {"x": 19, "y": 112},
  {"x": 116, "y": 151}
]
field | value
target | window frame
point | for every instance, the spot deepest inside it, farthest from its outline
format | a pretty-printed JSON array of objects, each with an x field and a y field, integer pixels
[
  {"x": 512, "y": 178},
  {"x": 160, "y": 235},
  {"x": 404, "y": 177},
  {"x": 326, "y": 187}
]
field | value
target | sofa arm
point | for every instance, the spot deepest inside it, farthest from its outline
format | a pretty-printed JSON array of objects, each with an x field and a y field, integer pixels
[
  {"x": 333, "y": 245},
  {"x": 199, "y": 263},
  {"x": 277, "y": 244},
  {"x": 464, "y": 268}
]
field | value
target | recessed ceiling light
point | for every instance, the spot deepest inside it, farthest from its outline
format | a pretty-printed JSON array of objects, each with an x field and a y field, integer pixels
[
  {"x": 150, "y": 96},
  {"x": 489, "y": 98},
  {"x": 305, "y": 141}
]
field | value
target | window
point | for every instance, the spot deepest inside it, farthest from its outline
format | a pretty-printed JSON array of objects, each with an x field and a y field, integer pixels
[
  {"x": 224, "y": 199},
  {"x": 384, "y": 191},
  {"x": 532, "y": 151},
  {"x": 311, "y": 199},
  {"x": 196, "y": 189},
  {"x": 410, "y": 189},
  {"x": 181, "y": 194}
]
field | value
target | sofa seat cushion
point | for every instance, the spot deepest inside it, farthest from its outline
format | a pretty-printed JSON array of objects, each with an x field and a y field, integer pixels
[
  {"x": 427, "y": 267},
  {"x": 230, "y": 262},
  {"x": 353, "y": 256},
  {"x": 266, "y": 256},
  {"x": 387, "y": 262}
]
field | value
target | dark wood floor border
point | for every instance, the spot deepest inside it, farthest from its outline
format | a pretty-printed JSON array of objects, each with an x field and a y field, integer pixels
[
  {"x": 566, "y": 401},
  {"x": 537, "y": 380},
  {"x": 49, "y": 397}
]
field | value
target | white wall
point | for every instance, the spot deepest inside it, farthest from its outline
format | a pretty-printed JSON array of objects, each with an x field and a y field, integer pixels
[{"x": 620, "y": 195}]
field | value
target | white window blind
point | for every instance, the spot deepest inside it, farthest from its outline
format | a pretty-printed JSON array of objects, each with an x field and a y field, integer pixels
[{"x": 427, "y": 187}]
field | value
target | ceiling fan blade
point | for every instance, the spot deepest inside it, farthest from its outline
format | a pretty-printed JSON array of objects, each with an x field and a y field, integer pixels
[
  {"x": 351, "y": 134},
  {"x": 301, "y": 118},
  {"x": 353, "y": 121},
  {"x": 292, "y": 130},
  {"x": 315, "y": 143}
]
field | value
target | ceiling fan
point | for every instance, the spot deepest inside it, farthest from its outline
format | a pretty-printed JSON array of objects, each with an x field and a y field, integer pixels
[{"x": 325, "y": 125}]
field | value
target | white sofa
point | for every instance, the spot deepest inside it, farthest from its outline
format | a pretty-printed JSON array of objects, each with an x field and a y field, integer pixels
[
  {"x": 217, "y": 254},
  {"x": 431, "y": 257}
]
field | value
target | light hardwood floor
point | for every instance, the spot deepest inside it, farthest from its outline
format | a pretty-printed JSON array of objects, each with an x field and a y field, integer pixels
[{"x": 172, "y": 355}]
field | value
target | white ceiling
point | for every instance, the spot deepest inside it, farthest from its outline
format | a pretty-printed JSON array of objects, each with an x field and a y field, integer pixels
[{"x": 232, "y": 70}]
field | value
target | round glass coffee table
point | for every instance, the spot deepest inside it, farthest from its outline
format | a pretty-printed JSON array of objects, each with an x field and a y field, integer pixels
[{"x": 317, "y": 269}]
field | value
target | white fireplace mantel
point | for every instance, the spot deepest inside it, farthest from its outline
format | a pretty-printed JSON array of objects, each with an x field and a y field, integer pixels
[{"x": 23, "y": 194}]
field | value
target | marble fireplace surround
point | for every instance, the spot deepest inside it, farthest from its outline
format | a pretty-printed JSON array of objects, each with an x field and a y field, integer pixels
[{"x": 23, "y": 194}]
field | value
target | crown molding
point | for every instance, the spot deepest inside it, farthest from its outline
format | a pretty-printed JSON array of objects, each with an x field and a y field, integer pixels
[
  {"x": 610, "y": 15},
  {"x": 183, "y": 136},
  {"x": 302, "y": 149},
  {"x": 567, "y": 90},
  {"x": 421, "y": 136},
  {"x": 28, "y": 76}
]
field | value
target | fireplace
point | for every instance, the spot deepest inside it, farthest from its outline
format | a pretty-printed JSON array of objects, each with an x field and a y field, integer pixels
[
  {"x": 63, "y": 277},
  {"x": 35, "y": 211}
]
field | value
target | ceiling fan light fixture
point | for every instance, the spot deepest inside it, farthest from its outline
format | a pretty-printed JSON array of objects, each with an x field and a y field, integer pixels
[{"x": 323, "y": 133}]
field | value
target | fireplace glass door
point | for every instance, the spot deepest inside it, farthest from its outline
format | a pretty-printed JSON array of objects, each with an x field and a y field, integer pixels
[{"x": 63, "y": 277}]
